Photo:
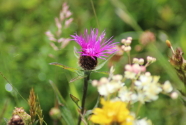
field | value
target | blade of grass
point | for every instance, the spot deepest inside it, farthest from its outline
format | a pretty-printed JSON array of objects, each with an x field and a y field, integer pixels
[
  {"x": 124, "y": 14},
  {"x": 66, "y": 114},
  {"x": 64, "y": 67}
]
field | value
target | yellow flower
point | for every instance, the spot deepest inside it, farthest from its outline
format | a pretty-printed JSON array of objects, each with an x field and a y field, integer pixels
[{"x": 112, "y": 113}]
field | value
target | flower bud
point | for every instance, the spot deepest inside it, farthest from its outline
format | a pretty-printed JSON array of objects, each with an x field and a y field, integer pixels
[
  {"x": 55, "y": 113},
  {"x": 167, "y": 87},
  {"x": 174, "y": 95},
  {"x": 141, "y": 61},
  {"x": 135, "y": 60},
  {"x": 94, "y": 82}
]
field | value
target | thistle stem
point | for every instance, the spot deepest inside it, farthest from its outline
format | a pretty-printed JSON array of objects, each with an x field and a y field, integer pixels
[{"x": 85, "y": 88}]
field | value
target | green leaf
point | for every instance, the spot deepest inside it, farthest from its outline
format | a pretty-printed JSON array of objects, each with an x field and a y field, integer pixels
[
  {"x": 66, "y": 114},
  {"x": 105, "y": 73},
  {"x": 77, "y": 78},
  {"x": 75, "y": 100},
  {"x": 75, "y": 52},
  {"x": 64, "y": 67}
]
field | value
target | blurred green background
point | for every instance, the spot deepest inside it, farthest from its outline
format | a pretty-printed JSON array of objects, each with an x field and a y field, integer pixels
[{"x": 25, "y": 51}]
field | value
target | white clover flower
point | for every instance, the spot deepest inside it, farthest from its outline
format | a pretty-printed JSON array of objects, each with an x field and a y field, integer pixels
[
  {"x": 127, "y": 96},
  {"x": 167, "y": 87}
]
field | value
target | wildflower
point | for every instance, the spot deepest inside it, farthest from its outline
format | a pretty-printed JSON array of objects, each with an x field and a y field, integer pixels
[
  {"x": 130, "y": 75},
  {"x": 127, "y": 41},
  {"x": 112, "y": 112},
  {"x": 135, "y": 60},
  {"x": 150, "y": 59},
  {"x": 126, "y": 95},
  {"x": 93, "y": 46},
  {"x": 141, "y": 61},
  {"x": 148, "y": 88},
  {"x": 147, "y": 37},
  {"x": 108, "y": 86},
  {"x": 133, "y": 70},
  {"x": 174, "y": 95},
  {"x": 167, "y": 87},
  {"x": 143, "y": 121},
  {"x": 55, "y": 113},
  {"x": 126, "y": 48}
]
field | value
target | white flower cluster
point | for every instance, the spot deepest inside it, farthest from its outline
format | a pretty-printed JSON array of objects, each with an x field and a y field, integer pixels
[
  {"x": 147, "y": 88},
  {"x": 143, "y": 121},
  {"x": 143, "y": 87},
  {"x": 126, "y": 44},
  {"x": 107, "y": 86},
  {"x": 136, "y": 85}
]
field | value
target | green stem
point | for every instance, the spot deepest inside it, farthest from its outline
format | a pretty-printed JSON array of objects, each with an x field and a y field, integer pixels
[
  {"x": 138, "y": 109},
  {"x": 129, "y": 58},
  {"x": 95, "y": 13},
  {"x": 85, "y": 88}
]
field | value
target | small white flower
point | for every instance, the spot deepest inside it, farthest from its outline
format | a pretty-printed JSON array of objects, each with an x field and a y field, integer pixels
[
  {"x": 174, "y": 95},
  {"x": 129, "y": 75},
  {"x": 126, "y": 95},
  {"x": 94, "y": 82},
  {"x": 135, "y": 60},
  {"x": 147, "y": 88},
  {"x": 143, "y": 121},
  {"x": 141, "y": 61},
  {"x": 103, "y": 80},
  {"x": 109, "y": 88},
  {"x": 117, "y": 77},
  {"x": 167, "y": 87}
]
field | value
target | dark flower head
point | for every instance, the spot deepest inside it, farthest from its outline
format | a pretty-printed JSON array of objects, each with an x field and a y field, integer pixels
[{"x": 95, "y": 46}]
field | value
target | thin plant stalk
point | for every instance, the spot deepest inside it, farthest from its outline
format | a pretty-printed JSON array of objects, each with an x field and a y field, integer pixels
[
  {"x": 138, "y": 109},
  {"x": 85, "y": 88},
  {"x": 129, "y": 58}
]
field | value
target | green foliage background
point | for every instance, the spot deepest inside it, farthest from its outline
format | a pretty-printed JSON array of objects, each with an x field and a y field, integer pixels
[{"x": 25, "y": 49}]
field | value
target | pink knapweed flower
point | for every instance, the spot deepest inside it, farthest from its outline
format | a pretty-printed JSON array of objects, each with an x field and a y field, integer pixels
[{"x": 93, "y": 46}]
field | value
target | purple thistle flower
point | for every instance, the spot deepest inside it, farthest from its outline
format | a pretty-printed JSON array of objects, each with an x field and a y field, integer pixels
[{"x": 93, "y": 46}]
